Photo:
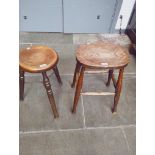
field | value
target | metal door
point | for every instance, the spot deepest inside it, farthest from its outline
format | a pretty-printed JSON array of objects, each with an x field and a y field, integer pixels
[
  {"x": 41, "y": 15},
  {"x": 89, "y": 16}
]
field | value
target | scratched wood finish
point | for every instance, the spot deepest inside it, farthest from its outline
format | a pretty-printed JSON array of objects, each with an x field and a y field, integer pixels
[
  {"x": 76, "y": 74},
  {"x": 37, "y": 58},
  {"x": 98, "y": 93},
  {"x": 78, "y": 89},
  {"x": 56, "y": 71},
  {"x": 47, "y": 85},
  {"x": 114, "y": 80},
  {"x": 96, "y": 57},
  {"x": 102, "y": 55},
  {"x": 118, "y": 90},
  {"x": 109, "y": 77}
]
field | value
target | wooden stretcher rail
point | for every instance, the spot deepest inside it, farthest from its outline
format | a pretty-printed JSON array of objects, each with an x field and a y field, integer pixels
[
  {"x": 96, "y": 72},
  {"x": 97, "y": 93}
]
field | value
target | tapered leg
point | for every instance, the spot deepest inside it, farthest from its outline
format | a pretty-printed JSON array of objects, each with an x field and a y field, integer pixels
[
  {"x": 109, "y": 77},
  {"x": 21, "y": 84},
  {"x": 76, "y": 72},
  {"x": 56, "y": 71},
  {"x": 78, "y": 89},
  {"x": 47, "y": 85},
  {"x": 118, "y": 90},
  {"x": 113, "y": 80}
]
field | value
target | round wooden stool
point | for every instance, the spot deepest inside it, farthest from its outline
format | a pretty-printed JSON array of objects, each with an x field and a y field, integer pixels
[
  {"x": 39, "y": 59},
  {"x": 95, "y": 56}
]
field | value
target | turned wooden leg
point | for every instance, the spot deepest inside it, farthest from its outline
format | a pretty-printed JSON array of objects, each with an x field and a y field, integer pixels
[
  {"x": 118, "y": 90},
  {"x": 109, "y": 77},
  {"x": 76, "y": 72},
  {"x": 56, "y": 71},
  {"x": 78, "y": 89},
  {"x": 21, "y": 84},
  {"x": 47, "y": 85}
]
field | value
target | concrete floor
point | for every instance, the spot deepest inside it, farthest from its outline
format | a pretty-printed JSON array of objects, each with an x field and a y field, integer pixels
[{"x": 93, "y": 130}]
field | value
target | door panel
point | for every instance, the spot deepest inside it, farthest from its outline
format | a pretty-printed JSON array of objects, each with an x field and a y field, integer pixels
[
  {"x": 41, "y": 15},
  {"x": 88, "y": 16},
  {"x": 74, "y": 16}
]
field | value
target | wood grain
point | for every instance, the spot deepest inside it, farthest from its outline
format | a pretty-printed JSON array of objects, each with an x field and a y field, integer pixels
[
  {"x": 37, "y": 58},
  {"x": 102, "y": 55},
  {"x": 98, "y": 93}
]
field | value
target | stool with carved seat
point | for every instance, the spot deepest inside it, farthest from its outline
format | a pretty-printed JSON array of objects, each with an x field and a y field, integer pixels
[{"x": 99, "y": 55}]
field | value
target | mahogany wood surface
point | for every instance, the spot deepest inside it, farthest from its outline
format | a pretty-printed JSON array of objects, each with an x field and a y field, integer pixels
[
  {"x": 37, "y": 58},
  {"x": 109, "y": 77},
  {"x": 118, "y": 90},
  {"x": 76, "y": 74},
  {"x": 56, "y": 71},
  {"x": 102, "y": 55},
  {"x": 78, "y": 89},
  {"x": 114, "y": 80},
  {"x": 50, "y": 94}
]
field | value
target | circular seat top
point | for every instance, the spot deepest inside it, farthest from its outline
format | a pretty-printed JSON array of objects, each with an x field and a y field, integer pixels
[
  {"x": 102, "y": 55},
  {"x": 37, "y": 58}
]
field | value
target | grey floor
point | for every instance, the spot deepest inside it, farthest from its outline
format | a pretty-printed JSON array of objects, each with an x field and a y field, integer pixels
[{"x": 93, "y": 130}]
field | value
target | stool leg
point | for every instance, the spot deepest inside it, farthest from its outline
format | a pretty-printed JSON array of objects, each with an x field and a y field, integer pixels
[
  {"x": 76, "y": 72},
  {"x": 56, "y": 71},
  {"x": 47, "y": 85},
  {"x": 21, "y": 84},
  {"x": 109, "y": 77},
  {"x": 118, "y": 90},
  {"x": 78, "y": 89}
]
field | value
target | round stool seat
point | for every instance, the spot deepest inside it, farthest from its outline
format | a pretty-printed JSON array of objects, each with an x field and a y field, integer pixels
[
  {"x": 37, "y": 58},
  {"x": 102, "y": 55}
]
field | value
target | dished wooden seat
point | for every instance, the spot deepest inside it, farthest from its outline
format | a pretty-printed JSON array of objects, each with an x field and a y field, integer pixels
[
  {"x": 102, "y": 55},
  {"x": 97, "y": 56},
  {"x": 37, "y": 58}
]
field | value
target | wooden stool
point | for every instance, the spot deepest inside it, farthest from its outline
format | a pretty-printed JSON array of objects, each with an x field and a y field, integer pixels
[
  {"x": 39, "y": 59},
  {"x": 95, "y": 56}
]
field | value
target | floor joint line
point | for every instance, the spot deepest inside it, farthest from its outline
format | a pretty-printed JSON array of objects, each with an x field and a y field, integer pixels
[
  {"x": 78, "y": 129},
  {"x": 84, "y": 120},
  {"x": 127, "y": 143}
]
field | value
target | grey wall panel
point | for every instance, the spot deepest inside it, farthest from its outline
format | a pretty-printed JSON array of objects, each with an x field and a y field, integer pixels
[
  {"x": 75, "y": 16},
  {"x": 42, "y": 15},
  {"x": 80, "y": 16}
]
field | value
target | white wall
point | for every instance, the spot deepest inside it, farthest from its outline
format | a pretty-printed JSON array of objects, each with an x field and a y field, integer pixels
[{"x": 126, "y": 10}]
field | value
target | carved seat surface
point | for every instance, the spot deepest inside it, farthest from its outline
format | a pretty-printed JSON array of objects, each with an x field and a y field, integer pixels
[
  {"x": 37, "y": 58},
  {"x": 102, "y": 55}
]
